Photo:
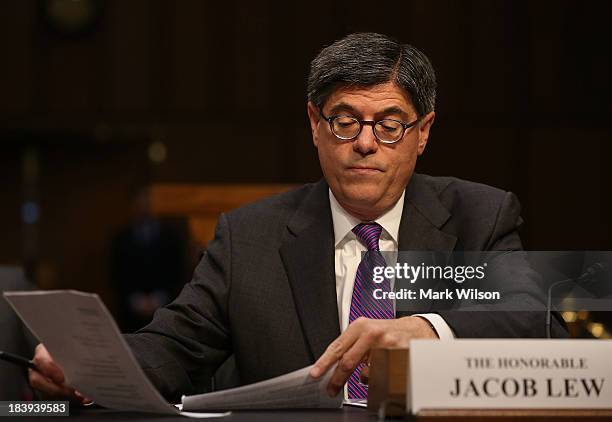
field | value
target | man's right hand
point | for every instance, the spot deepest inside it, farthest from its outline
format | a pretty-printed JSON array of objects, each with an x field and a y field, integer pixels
[{"x": 48, "y": 378}]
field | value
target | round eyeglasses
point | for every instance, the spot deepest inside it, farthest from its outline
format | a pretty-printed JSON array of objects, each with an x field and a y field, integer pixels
[{"x": 387, "y": 131}]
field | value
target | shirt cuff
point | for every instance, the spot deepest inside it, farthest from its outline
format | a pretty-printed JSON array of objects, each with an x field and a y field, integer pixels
[{"x": 439, "y": 325}]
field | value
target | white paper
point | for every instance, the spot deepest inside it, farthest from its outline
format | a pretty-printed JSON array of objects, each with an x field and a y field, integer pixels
[
  {"x": 355, "y": 402},
  {"x": 295, "y": 390},
  {"x": 81, "y": 335}
]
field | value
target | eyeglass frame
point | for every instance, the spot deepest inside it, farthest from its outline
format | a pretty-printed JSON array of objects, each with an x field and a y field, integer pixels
[{"x": 363, "y": 123}]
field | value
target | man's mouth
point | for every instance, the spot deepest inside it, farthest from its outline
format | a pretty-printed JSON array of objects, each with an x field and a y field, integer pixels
[{"x": 364, "y": 170}]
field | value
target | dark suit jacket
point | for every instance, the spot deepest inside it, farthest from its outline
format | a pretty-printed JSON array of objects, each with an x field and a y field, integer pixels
[{"x": 265, "y": 289}]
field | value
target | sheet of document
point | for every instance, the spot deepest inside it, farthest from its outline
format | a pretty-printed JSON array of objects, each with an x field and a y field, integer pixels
[
  {"x": 295, "y": 390},
  {"x": 355, "y": 402},
  {"x": 84, "y": 340}
]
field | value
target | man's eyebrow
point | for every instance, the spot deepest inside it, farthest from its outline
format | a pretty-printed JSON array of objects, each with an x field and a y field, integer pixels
[
  {"x": 395, "y": 110},
  {"x": 347, "y": 108},
  {"x": 342, "y": 107}
]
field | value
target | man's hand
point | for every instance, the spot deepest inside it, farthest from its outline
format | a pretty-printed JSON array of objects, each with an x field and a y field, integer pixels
[
  {"x": 354, "y": 345},
  {"x": 49, "y": 380}
]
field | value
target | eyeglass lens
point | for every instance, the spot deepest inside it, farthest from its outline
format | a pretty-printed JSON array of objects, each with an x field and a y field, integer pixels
[{"x": 386, "y": 130}]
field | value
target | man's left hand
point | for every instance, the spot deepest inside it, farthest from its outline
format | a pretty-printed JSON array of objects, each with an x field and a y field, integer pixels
[{"x": 353, "y": 346}]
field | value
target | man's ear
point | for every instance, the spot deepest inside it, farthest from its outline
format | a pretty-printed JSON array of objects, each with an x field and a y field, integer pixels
[
  {"x": 313, "y": 117},
  {"x": 424, "y": 127}
]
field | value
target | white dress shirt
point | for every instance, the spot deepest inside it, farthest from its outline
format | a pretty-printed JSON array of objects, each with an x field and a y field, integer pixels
[{"x": 348, "y": 251}]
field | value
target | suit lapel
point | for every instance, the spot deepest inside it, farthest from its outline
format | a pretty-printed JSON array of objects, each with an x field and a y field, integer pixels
[
  {"x": 308, "y": 254},
  {"x": 422, "y": 218},
  {"x": 308, "y": 257}
]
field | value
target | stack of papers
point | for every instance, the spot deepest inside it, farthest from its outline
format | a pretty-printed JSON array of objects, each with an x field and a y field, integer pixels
[{"x": 81, "y": 335}]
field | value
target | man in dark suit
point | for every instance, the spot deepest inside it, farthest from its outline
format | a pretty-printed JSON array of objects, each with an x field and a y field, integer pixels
[{"x": 281, "y": 285}]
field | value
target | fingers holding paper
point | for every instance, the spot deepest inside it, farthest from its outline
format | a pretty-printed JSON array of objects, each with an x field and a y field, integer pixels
[
  {"x": 49, "y": 379},
  {"x": 353, "y": 346}
]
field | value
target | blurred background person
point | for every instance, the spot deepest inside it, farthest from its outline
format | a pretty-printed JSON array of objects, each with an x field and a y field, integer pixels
[{"x": 149, "y": 263}]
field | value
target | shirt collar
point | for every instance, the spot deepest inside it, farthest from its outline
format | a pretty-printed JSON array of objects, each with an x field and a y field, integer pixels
[{"x": 344, "y": 222}]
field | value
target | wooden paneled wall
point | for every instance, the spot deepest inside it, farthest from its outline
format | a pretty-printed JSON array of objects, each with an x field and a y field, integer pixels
[
  {"x": 523, "y": 104},
  {"x": 202, "y": 204}
]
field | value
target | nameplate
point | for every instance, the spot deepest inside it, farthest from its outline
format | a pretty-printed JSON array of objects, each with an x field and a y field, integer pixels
[{"x": 509, "y": 374}]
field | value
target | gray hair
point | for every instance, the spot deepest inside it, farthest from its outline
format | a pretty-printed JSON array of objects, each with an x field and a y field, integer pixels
[{"x": 368, "y": 59}]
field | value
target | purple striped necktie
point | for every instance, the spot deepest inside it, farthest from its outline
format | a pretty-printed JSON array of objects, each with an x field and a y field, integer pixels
[{"x": 363, "y": 303}]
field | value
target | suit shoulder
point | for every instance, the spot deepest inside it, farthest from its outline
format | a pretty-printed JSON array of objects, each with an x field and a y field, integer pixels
[
  {"x": 464, "y": 191},
  {"x": 473, "y": 201},
  {"x": 481, "y": 215},
  {"x": 276, "y": 208}
]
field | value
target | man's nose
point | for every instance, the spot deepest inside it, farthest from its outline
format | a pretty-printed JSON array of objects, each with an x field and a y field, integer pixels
[{"x": 366, "y": 142}]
